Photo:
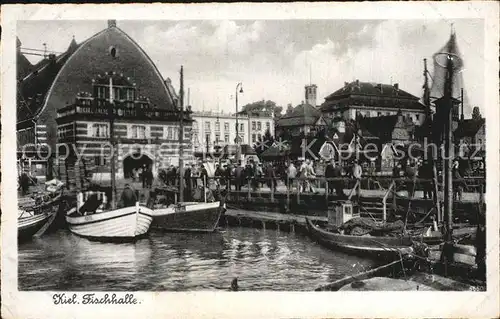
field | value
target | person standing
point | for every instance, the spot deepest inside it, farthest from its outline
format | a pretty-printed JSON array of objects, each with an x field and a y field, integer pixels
[
  {"x": 128, "y": 197},
  {"x": 303, "y": 171},
  {"x": 329, "y": 174},
  {"x": 411, "y": 175},
  {"x": 203, "y": 175},
  {"x": 271, "y": 177},
  {"x": 239, "y": 176},
  {"x": 187, "y": 182},
  {"x": 338, "y": 185},
  {"x": 291, "y": 175},
  {"x": 425, "y": 172}
]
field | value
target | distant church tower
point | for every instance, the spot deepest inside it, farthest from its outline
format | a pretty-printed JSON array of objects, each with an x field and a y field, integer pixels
[{"x": 311, "y": 94}]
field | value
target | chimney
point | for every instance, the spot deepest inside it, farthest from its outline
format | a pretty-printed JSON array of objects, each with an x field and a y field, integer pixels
[
  {"x": 111, "y": 23},
  {"x": 396, "y": 86},
  {"x": 357, "y": 83}
]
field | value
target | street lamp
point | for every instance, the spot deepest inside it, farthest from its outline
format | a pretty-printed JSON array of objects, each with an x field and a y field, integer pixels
[{"x": 237, "y": 140}]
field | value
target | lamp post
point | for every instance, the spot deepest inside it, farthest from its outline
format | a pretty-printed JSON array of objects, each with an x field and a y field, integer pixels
[{"x": 237, "y": 140}]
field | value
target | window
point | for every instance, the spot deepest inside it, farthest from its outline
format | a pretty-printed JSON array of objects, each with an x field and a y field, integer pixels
[
  {"x": 207, "y": 139},
  {"x": 259, "y": 126},
  {"x": 226, "y": 137},
  {"x": 254, "y": 138},
  {"x": 417, "y": 117},
  {"x": 99, "y": 130},
  {"x": 207, "y": 126},
  {"x": 242, "y": 127},
  {"x": 217, "y": 126},
  {"x": 253, "y": 125},
  {"x": 226, "y": 126},
  {"x": 101, "y": 92},
  {"x": 217, "y": 138},
  {"x": 379, "y": 113},
  {"x": 170, "y": 133},
  {"x": 268, "y": 126},
  {"x": 130, "y": 95},
  {"x": 138, "y": 131}
]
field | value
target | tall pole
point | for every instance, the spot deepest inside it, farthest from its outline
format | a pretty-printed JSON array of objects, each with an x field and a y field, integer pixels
[
  {"x": 112, "y": 140},
  {"x": 432, "y": 163},
  {"x": 181, "y": 137},
  {"x": 448, "y": 144},
  {"x": 237, "y": 140}
]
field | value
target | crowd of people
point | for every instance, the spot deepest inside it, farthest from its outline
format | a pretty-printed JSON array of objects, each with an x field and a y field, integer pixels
[{"x": 302, "y": 175}]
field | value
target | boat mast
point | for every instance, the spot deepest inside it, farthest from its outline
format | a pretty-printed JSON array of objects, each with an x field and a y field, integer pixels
[
  {"x": 432, "y": 163},
  {"x": 111, "y": 138},
  {"x": 448, "y": 145},
  {"x": 181, "y": 136}
]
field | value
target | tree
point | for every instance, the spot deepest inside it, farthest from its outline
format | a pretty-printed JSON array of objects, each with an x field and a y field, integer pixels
[
  {"x": 476, "y": 113},
  {"x": 262, "y": 106},
  {"x": 289, "y": 109}
]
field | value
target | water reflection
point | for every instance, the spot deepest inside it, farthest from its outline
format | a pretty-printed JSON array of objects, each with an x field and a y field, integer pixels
[{"x": 261, "y": 259}]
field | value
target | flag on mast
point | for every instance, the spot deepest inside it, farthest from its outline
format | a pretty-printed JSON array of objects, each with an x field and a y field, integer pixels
[{"x": 450, "y": 50}]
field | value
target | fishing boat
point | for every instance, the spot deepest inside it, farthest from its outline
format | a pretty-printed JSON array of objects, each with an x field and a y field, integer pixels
[
  {"x": 95, "y": 217},
  {"x": 122, "y": 224},
  {"x": 37, "y": 213},
  {"x": 184, "y": 216},
  {"x": 188, "y": 217},
  {"x": 377, "y": 247}
]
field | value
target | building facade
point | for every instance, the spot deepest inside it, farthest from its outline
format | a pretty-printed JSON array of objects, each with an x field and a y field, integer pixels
[
  {"x": 373, "y": 100},
  {"x": 212, "y": 129},
  {"x": 66, "y": 99}
]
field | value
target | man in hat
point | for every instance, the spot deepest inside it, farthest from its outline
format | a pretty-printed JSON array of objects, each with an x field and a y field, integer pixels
[{"x": 128, "y": 198}]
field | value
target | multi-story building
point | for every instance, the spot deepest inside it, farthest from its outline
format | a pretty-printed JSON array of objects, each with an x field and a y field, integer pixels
[
  {"x": 66, "y": 99},
  {"x": 305, "y": 118},
  {"x": 373, "y": 100},
  {"x": 211, "y": 129}
]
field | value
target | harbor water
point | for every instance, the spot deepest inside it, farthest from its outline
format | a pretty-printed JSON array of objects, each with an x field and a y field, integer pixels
[{"x": 260, "y": 259}]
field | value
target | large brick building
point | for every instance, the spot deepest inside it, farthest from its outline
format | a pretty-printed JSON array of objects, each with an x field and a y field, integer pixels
[
  {"x": 373, "y": 100},
  {"x": 66, "y": 98}
]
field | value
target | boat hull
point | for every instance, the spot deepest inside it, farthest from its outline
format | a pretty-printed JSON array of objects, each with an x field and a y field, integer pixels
[
  {"x": 199, "y": 217},
  {"x": 29, "y": 226},
  {"x": 364, "y": 246},
  {"x": 124, "y": 224},
  {"x": 32, "y": 219}
]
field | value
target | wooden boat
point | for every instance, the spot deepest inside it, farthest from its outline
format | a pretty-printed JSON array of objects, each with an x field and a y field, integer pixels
[
  {"x": 93, "y": 219},
  {"x": 36, "y": 214},
  {"x": 366, "y": 246},
  {"x": 122, "y": 224},
  {"x": 189, "y": 217}
]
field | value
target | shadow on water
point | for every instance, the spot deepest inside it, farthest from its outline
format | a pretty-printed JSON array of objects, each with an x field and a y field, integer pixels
[{"x": 261, "y": 259}]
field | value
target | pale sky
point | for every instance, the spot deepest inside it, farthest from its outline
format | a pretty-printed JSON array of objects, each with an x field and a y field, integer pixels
[{"x": 274, "y": 59}]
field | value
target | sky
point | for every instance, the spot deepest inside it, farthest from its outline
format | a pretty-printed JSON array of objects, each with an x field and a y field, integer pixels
[{"x": 275, "y": 59}]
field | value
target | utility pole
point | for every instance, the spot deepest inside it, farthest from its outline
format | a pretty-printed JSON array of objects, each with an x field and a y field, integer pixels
[{"x": 181, "y": 137}]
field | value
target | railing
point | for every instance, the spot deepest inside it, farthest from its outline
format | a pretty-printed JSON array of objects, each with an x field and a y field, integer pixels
[
  {"x": 384, "y": 200},
  {"x": 120, "y": 111}
]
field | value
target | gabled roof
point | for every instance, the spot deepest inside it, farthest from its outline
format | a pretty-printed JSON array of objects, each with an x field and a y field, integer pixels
[
  {"x": 469, "y": 128},
  {"x": 373, "y": 89},
  {"x": 303, "y": 114},
  {"x": 34, "y": 86},
  {"x": 371, "y": 94},
  {"x": 24, "y": 66}
]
